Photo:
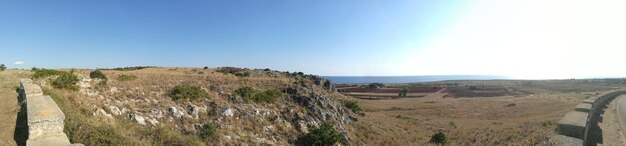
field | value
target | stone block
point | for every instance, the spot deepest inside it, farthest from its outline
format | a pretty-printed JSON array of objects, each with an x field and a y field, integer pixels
[
  {"x": 44, "y": 117},
  {"x": 50, "y": 140},
  {"x": 573, "y": 124},
  {"x": 583, "y": 107}
]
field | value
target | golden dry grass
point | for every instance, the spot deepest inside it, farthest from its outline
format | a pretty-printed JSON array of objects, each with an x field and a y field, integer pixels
[{"x": 466, "y": 121}]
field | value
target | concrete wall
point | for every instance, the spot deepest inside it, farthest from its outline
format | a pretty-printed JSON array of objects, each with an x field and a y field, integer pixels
[
  {"x": 44, "y": 117},
  {"x": 576, "y": 123}
]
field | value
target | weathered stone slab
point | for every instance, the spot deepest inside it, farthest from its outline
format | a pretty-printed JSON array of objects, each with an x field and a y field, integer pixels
[
  {"x": 583, "y": 107},
  {"x": 590, "y": 101},
  {"x": 573, "y": 124},
  {"x": 44, "y": 117},
  {"x": 30, "y": 90},
  {"x": 51, "y": 140}
]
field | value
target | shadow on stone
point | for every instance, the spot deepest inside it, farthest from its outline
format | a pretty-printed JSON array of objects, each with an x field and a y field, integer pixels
[
  {"x": 21, "y": 126},
  {"x": 595, "y": 136}
]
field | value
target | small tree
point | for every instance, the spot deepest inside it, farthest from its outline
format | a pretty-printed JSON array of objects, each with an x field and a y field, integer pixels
[
  {"x": 2, "y": 67},
  {"x": 206, "y": 67},
  {"x": 439, "y": 138}
]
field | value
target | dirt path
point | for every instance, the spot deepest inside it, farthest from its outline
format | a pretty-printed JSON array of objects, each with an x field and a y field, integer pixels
[
  {"x": 611, "y": 132},
  {"x": 8, "y": 105}
]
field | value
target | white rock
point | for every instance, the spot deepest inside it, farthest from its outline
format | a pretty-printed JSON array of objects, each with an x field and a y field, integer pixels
[
  {"x": 268, "y": 128},
  {"x": 228, "y": 112},
  {"x": 114, "y": 110},
  {"x": 114, "y": 90},
  {"x": 139, "y": 119},
  {"x": 154, "y": 122},
  {"x": 175, "y": 111}
]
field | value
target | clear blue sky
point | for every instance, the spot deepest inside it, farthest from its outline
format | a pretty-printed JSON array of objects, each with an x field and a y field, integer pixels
[
  {"x": 322, "y": 37},
  {"x": 518, "y": 38}
]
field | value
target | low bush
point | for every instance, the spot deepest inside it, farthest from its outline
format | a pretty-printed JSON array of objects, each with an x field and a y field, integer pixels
[
  {"x": 352, "y": 105},
  {"x": 97, "y": 74},
  {"x": 126, "y": 77},
  {"x": 2, "y": 67},
  {"x": 439, "y": 138},
  {"x": 209, "y": 132},
  {"x": 268, "y": 96},
  {"x": 246, "y": 92},
  {"x": 39, "y": 73},
  {"x": 188, "y": 92},
  {"x": 324, "y": 135},
  {"x": 66, "y": 81}
]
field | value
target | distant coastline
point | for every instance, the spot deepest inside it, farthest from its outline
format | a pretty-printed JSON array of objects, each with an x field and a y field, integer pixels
[{"x": 407, "y": 79}]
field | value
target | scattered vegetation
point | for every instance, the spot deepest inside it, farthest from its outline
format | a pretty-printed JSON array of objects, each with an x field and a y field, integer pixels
[
  {"x": 235, "y": 71},
  {"x": 42, "y": 72},
  {"x": 126, "y": 77},
  {"x": 439, "y": 138},
  {"x": 352, "y": 105},
  {"x": 67, "y": 80},
  {"x": 188, "y": 92},
  {"x": 324, "y": 135},
  {"x": 268, "y": 96},
  {"x": 2, "y": 67},
  {"x": 130, "y": 68}
]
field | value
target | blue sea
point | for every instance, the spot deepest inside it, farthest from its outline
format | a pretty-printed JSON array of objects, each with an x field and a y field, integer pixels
[{"x": 406, "y": 79}]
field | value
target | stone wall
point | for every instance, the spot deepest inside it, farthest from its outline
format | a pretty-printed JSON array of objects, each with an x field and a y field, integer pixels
[
  {"x": 44, "y": 117},
  {"x": 575, "y": 124}
]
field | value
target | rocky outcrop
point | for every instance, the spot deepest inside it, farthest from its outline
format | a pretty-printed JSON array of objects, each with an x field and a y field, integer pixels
[{"x": 44, "y": 117}]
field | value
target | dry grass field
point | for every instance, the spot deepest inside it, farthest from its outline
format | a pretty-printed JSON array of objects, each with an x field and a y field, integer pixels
[{"x": 499, "y": 120}]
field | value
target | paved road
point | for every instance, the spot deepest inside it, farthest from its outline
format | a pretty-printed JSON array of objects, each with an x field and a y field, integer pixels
[{"x": 609, "y": 132}]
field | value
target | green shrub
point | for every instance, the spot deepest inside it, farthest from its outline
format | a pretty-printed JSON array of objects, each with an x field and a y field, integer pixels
[
  {"x": 188, "y": 92},
  {"x": 126, "y": 77},
  {"x": 246, "y": 92},
  {"x": 268, "y": 96},
  {"x": 66, "y": 81},
  {"x": 352, "y": 105},
  {"x": 2, "y": 67},
  {"x": 324, "y": 135},
  {"x": 439, "y": 138},
  {"x": 209, "y": 132},
  {"x": 39, "y": 73},
  {"x": 97, "y": 74}
]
